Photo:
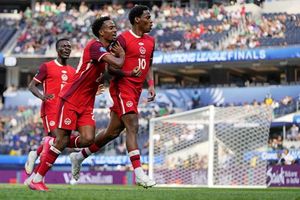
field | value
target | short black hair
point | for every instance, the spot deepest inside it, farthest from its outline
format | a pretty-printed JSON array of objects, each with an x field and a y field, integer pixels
[
  {"x": 136, "y": 11},
  {"x": 97, "y": 25},
  {"x": 59, "y": 40}
]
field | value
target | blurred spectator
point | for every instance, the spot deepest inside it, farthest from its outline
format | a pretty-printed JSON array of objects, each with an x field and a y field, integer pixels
[
  {"x": 268, "y": 100},
  {"x": 293, "y": 133},
  {"x": 286, "y": 158},
  {"x": 196, "y": 100}
]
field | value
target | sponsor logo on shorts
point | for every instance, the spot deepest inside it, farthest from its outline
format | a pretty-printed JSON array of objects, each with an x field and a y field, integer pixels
[
  {"x": 52, "y": 123},
  {"x": 68, "y": 121},
  {"x": 142, "y": 50},
  {"x": 129, "y": 104}
]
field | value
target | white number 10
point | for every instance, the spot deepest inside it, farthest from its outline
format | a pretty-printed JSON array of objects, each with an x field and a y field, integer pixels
[{"x": 142, "y": 63}]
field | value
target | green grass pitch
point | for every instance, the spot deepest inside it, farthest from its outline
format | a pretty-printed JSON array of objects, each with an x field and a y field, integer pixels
[{"x": 90, "y": 192}]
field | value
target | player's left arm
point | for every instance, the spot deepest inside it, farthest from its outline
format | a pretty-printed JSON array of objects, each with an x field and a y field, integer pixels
[
  {"x": 136, "y": 72},
  {"x": 150, "y": 80}
]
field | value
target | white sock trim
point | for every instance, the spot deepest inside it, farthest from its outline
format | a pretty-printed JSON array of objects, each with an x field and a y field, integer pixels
[
  {"x": 134, "y": 153},
  {"x": 55, "y": 150},
  {"x": 37, "y": 178},
  {"x": 76, "y": 141},
  {"x": 87, "y": 151},
  {"x": 31, "y": 177},
  {"x": 51, "y": 141}
]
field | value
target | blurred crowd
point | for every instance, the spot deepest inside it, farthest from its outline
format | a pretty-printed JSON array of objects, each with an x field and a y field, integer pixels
[
  {"x": 175, "y": 28},
  {"x": 21, "y": 130}
]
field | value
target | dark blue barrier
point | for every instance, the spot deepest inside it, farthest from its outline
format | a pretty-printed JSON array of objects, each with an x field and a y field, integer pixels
[
  {"x": 181, "y": 98},
  {"x": 274, "y": 53}
]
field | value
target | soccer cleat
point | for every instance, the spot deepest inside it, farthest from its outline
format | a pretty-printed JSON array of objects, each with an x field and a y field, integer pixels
[
  {"x": 40, "y": 186},
  {"x": 29, "y": 165},
  {"x": 144, "y": 181},
  {"x": 76, "y": 165},
  {"x": 28, "y": 181},
  {"x": 73, "y": 181}
]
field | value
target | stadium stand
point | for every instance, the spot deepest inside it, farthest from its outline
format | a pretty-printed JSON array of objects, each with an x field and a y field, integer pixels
[
  {"x": 8, "y": 28},
  {"x": 174, "y": 28}
]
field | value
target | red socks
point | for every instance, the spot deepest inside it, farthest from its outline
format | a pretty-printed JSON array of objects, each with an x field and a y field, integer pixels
[
  {"x": 39, "y": 150},
  {"x": 89, "y": 150},
  {"x": 135, "y": 158},
  {"x": 48, "y": 160}
]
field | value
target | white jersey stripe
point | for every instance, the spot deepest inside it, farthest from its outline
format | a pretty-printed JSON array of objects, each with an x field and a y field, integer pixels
[
  {"x": 47, "y": 124},
  {"x": 61, "y": 117},
  {"x": 80, "y": 62},
  {"x": 122, "y": 103},
  {"x": 37, "y": 80},
  {"x": 102, "y": 56}
]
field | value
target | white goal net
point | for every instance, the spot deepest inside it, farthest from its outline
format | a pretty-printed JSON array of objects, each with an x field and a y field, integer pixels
[{"x": 211, "y": 146}]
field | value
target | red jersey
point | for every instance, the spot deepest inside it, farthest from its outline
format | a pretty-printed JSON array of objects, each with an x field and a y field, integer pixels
[
  {"x": 82, "y": 90},
  {"x": 138, "y": 52},
  {"x": 53, "y": 76}
]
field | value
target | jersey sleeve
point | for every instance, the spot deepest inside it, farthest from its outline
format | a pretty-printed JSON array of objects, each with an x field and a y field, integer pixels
[
  {"x": 97, "y": 51},
  {"x": 41, "y": 73},
  {"x": 122, "y": 42}
]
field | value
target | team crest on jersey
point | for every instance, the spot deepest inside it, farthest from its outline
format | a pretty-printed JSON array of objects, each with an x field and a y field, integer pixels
[
  {"x": 52, "y": 123},
  {"x": 142, "y": 50},
  {"x": 64, "y": 77},
  {"x": 67, "y": 121},
  {"x": 129, "y": 104},
  {"x": 141, "y": 43},
  {"x": 102, "y": 49}
]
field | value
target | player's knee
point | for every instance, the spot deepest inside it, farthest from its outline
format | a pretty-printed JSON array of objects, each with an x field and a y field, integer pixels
[
  {"x": 61, "y": 142},
  {"x": 88, "y": 140}
]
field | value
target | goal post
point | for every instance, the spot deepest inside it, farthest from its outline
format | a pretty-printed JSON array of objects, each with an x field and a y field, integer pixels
[{"x": 210, "y": 146}]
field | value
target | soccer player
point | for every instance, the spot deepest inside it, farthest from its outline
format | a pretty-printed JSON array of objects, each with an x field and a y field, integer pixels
[
  {"x": 125, "y": 91},
  {"x": 53, "y": 76},
  {"x": 76, "y": 102}
]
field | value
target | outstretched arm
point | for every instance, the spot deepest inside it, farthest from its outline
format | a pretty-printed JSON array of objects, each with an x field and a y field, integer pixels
[{"x": 136, "y": 72}]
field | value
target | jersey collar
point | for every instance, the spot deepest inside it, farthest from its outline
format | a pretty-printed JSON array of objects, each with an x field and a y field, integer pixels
[
  {"x": 56, "y": 62},
  {"x": 135, "y": 35}
]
